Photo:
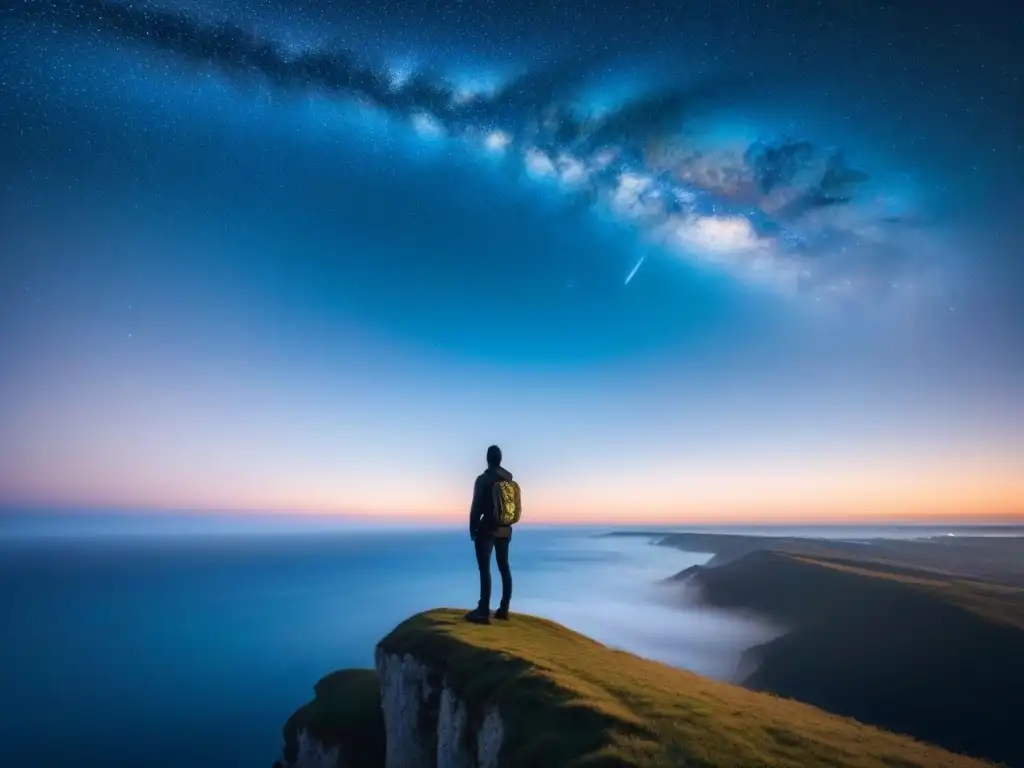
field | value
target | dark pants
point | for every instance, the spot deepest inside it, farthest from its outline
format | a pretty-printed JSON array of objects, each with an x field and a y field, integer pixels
[{"x": 484, "y": 544}]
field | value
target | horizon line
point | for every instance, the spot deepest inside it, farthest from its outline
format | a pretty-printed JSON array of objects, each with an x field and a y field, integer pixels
[{"x": 627, "y": 521}]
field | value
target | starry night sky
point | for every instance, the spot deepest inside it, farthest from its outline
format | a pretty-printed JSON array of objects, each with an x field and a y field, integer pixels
[{"x": 697, "y": 260}]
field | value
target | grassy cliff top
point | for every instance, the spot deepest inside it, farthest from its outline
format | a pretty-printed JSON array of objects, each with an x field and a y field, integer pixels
[
  {"x": 799, "y": 587},
  {"x": 995, "y": 559},
  {"x": 568, "y": 700}
]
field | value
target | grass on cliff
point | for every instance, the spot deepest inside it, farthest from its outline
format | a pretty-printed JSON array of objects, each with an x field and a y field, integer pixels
[
  {"x": 916, "y": 651},
  {"x": 567, "y": 700},
  {"x": 345, "y": 713},
  {"x": 800, "y": 587}
]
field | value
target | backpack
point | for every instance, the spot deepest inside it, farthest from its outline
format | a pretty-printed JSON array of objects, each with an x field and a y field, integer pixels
[{"x": 508, "y": 507}]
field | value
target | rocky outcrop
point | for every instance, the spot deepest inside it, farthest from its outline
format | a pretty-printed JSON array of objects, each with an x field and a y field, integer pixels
[
  {"x": 427, "y": 724},
  {"x": 342, "y": 727}
]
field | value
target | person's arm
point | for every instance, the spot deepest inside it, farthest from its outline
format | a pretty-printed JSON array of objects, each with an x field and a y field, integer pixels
[{"x": 474, "y": 511}]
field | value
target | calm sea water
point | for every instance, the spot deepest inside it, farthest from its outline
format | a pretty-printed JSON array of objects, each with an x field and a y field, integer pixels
[{"x": 192, "y": 646}]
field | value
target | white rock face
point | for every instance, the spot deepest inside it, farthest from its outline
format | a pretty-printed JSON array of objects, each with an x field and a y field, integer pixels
[
  {"x": 314, "y": 754},
  {"x": 488, "y": 740},
  {"x": 426, "y": 723},
  {"x": 405, "y": 693},
  {"x": 451, "y": 732}
]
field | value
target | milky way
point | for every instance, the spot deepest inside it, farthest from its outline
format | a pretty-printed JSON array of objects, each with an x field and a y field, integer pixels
[{"x": 780, "y": 211}]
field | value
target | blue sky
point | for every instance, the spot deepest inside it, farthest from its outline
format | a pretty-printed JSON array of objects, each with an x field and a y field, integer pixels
[{"x": 232, "y": 281}]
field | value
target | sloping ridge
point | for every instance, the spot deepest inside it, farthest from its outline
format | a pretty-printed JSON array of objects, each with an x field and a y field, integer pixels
[
  {"x": 532, "y": 693},
  {"x": 915, "y": 651}
]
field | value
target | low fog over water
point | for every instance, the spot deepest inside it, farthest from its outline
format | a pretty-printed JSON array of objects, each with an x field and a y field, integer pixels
[
  {"x": 191, "y": 641},
  {"x": 609, "y": 589}
]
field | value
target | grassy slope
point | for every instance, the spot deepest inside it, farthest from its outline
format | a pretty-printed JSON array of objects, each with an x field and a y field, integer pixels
[
  {"x": 915, "y": 651},
  {"x": 346, "y": 713},
  {"x": 567, "y": 700},
  {"x": 992, "y": 559}
]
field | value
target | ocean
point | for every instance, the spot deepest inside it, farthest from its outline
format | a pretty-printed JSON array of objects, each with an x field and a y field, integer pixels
[{"x": 192, "y": 644}]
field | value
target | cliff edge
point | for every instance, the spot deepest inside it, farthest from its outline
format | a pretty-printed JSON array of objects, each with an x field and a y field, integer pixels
[{"x": 532, "y": 693}]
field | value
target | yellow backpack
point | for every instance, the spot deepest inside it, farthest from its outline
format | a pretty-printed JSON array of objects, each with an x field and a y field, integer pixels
[{"x": 508, "y": 507}]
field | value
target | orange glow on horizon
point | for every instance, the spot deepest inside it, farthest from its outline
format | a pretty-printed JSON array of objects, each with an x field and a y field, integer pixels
[
  {"x": 950, "y": 511},
  {"x": 872, "y": 491}
]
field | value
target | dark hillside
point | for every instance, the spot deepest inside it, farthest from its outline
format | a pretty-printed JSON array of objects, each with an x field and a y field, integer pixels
[{"x": 914, "y": 651}]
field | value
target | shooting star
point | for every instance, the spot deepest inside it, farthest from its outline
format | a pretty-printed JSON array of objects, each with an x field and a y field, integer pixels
[{"x": 635, "y": 268}]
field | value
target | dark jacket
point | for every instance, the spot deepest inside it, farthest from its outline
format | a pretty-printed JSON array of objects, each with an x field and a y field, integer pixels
[{"x": 481, "y": 511}]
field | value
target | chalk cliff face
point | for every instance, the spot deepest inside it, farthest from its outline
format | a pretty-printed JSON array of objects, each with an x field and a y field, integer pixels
[
  {"x": 312, "y": 753},
  {"x": 426, "y": 725}
]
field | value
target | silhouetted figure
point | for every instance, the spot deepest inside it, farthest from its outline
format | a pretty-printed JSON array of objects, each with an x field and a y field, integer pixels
[{"x": 495, "y": 509}]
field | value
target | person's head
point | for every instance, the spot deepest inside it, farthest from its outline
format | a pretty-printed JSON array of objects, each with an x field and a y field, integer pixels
[{"x": 493, "y": 456}]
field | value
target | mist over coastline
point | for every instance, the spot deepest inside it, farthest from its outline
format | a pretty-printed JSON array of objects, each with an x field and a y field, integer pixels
[
  {"x": 132, "y": 633},
  {"x": 131, "y": 628}
]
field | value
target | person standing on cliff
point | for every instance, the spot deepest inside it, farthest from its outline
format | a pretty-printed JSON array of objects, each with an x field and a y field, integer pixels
[{"x": 495, "y": 509}]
